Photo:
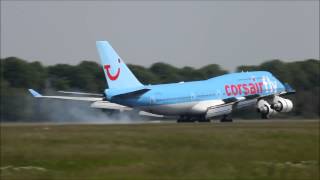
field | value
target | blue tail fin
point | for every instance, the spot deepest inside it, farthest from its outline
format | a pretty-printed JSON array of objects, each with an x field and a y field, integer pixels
[{"x": 116, "y": 72}]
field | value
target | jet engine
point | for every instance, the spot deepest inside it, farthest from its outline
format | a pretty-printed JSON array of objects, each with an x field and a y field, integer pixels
[
  {"x": 265, "y": 109},
  {"x": 281, "y": 104}
]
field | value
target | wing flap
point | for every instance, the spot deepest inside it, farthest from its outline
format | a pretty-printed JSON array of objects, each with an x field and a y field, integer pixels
[
  {"x": 109, "y": 105},
  {"x": 89, "y": 99},
  {"x": 81, "y": 93}
]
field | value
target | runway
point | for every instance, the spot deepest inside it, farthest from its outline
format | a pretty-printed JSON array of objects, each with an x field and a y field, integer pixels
[{"x": 161, "y": 121}]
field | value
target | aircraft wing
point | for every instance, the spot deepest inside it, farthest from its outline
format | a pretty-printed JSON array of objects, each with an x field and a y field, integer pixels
[
  {"x": 242, "y": 98},
  {"x": 227, "y": 105},
  {"x": 97, "y": 102},
  {"x": 90, "y": 99}
]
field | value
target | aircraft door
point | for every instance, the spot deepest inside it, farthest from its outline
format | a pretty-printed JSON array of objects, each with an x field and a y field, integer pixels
[
  {"x": 192, "y": 96},
  {"x": 152, "y": 100},
  {"x": 218, "y": 94}
]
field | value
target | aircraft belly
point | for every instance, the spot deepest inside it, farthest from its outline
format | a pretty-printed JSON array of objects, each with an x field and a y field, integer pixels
[
  {"x": 171, "y": 109},
  {"x": 192, "y": 108}
]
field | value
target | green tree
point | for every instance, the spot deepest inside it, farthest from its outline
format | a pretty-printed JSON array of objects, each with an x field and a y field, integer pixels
[
  {"x": 212, "y": 70},
  {"x": 144, "y": 75},
  {"x": 18, "y": 73},
  {"x": 166, "y": 73}
]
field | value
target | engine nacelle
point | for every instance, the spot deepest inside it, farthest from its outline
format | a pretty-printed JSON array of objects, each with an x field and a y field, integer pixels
[
  {"x": 281, "y": 104},
  {"x": 265, "y": 109}
]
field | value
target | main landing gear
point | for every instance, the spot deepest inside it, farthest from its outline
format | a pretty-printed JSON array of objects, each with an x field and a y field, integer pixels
[
  {"x": 226, "y": 118},
  {"x": 189, "y": 119}
]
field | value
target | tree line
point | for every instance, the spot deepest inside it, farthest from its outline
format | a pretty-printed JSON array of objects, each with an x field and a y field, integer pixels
[{"x": 18, "y": 75}]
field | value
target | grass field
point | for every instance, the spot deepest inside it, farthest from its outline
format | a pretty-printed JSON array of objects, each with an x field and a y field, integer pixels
[{"x": 262, "y": 150}]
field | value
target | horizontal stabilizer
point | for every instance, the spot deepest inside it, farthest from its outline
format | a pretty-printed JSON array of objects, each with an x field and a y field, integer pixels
[
  {"x": 128, "y": 92},
  {"x": 133, "y": 93}
]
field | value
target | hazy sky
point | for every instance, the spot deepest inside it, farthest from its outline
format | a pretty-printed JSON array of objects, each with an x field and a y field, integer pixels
[{"x": 182, "y": 33}]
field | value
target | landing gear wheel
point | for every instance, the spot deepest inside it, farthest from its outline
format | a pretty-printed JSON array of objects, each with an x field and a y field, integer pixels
[
  {"x": 185, "y": 119},
  {"x": 202, "y": 119},
  {"x": 264, "y": 116},
  {"x": 226, "y": 118}
]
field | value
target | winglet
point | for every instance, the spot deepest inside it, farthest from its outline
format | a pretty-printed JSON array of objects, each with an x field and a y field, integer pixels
[{"x": 34, "y": 93}]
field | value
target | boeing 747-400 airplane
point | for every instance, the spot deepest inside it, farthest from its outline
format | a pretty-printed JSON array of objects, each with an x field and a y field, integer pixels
[{"x": 190, "y": 101}]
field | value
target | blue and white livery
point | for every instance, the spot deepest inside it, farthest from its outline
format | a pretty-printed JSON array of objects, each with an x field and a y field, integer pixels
[{"x": 190, "y": 101}]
